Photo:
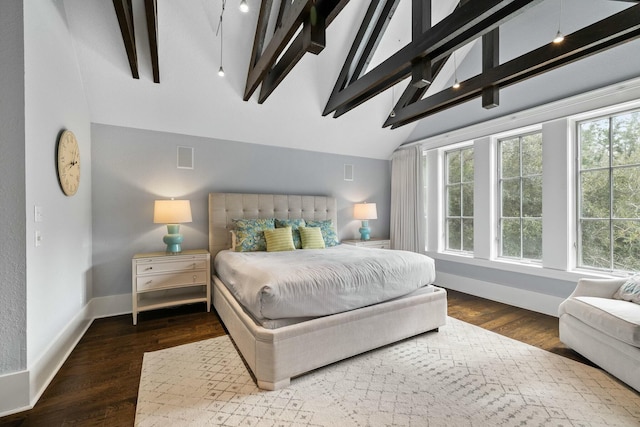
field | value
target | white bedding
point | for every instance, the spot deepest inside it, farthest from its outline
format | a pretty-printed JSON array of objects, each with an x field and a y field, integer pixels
[{"x": 319, "y": 282}]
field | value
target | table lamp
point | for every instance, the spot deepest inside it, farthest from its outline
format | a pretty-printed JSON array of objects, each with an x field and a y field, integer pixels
[
  {"x": 365, "y": 212},
  {"x": 173, "y": 213}
]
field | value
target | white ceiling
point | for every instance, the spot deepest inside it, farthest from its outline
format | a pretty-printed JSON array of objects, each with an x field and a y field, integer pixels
[{"x": 191, "y": 99}]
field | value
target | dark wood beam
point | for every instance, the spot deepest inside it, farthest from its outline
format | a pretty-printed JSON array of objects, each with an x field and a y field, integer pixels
[
  {"x": 124, "y": 12},
  {"x": 490, "y": 60},
  {"x": 366, "y": 53},
  {"x": 151, "y": 8},
  {"x": 464, "y": 24},
  {"x": 421, "y": 73},
  {"x": 269, "y": 64},
  {"x": 297, "y": 13},
  {"x": 261, "y": 32},
  {"x": 311, "y": 39},
  {"x": 345, "y": 72},
  {"x": 612, "y": 31}
]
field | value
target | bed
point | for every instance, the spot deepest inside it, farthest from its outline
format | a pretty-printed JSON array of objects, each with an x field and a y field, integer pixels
[{"x": 277, "y": 352}]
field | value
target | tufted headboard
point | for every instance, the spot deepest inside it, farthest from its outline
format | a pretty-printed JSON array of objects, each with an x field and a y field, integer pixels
[{"x": 224, "y": 207}]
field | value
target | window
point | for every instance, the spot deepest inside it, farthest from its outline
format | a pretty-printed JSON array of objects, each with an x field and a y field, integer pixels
[
  {"x": 520, "y": 190},
  {"x": 609, "y": 196},
  {"x": 459, "y": 199}
]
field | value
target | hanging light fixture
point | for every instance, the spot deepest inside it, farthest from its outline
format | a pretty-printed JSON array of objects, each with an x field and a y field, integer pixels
[
  {"x": 219, "y": 30},
  {"x": 456, "y": 83},
  {"x": 559, "y": 36},
  {"x": 393, "y": 101},
  {"x": 244, "y": 7}
]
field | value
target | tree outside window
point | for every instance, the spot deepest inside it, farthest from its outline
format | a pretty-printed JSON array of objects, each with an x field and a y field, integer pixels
[
  {"x": 609, "y": 193},
  {"x": 520, "y": 189},
  {"x": 459, "y": 199}
]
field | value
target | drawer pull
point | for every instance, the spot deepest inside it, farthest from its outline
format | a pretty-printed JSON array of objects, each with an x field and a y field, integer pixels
[
  {"x": 149, "y": 282},
  {"x": 195, "y": 277},
  {"x": 148, "y": 268}
]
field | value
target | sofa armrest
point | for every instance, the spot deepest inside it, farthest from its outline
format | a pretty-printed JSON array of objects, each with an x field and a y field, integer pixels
[{"x": 603, "y": 288}]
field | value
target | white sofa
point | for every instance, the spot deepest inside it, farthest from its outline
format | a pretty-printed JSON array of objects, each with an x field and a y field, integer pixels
[{"x": 603, "y": 329}]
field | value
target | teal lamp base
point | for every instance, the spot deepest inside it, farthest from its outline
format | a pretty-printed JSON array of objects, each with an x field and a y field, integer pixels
[
  {"x": 173, "y": 239},
  {"x": 365, "y": 231}
]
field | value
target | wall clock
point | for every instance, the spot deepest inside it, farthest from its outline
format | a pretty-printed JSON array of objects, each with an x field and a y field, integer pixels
[{"x": 68, "y": 155}]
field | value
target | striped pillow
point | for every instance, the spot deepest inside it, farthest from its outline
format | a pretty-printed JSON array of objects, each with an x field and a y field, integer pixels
[
  {"x": 279, "y": 239},
  {"x": 328, "y": 231},
  {"x": 311, "y": 238}
]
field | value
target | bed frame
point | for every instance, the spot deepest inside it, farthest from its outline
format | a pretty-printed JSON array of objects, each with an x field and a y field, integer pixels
[{"x": 276, "y": 355}]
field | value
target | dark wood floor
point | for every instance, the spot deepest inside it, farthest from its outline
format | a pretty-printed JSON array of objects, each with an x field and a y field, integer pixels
[{"x": 98, "y": 384}]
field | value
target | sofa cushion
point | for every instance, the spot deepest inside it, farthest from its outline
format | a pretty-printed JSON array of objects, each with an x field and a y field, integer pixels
[{"x": 616, "y": 318}]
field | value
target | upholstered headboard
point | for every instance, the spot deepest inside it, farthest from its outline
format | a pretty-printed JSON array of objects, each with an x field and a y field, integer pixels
[{"x": 225, "y": 207}]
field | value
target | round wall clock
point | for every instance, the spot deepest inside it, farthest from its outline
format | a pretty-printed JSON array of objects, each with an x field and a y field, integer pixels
[{"x": 68, "y": 163}]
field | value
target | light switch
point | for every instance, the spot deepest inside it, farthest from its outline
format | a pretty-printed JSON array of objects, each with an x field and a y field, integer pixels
[
  {"x": 37, "y": 213},
  {"x": 38, "y": 238}
]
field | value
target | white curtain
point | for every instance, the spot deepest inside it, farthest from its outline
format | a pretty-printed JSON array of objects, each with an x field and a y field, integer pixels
[{"x": 407, "y": 217}]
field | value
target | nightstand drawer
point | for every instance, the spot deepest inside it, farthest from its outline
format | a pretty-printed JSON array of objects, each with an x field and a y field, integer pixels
[
  {"x": 159, "y": 281},
  {"x": 151, "y": 266}
]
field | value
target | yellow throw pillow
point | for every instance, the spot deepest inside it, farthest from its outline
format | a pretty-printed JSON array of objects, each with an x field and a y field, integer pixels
[
  {"x": 279, "y": 239},
  {"x": 311, "y": 237}
]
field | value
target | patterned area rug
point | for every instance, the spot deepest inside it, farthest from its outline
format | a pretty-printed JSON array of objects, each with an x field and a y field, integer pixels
[{"x": 460, "y": 376}]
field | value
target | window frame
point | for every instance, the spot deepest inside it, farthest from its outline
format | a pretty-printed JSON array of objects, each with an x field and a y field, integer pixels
[
  {"x": 446, "y": 217},
  {"x": 610, "y": 168},
  {"x": 499, "y": 200}
]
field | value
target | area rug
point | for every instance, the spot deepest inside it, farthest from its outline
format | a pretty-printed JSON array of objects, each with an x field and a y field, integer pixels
[{"x": 460, "y": 376}]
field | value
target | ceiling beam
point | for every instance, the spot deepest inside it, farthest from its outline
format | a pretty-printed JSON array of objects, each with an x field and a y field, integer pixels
[
  {"x": 151, "y": 9},
  {"x": 612, "y": 31},
  {"x": 463, "y": 25},
  {"x": 310, "y": 39},
  {"x": 124, "y": 12},
  {"x": 281, "y": 37},
  {"x": 269, "y": 64},
  {"x": 490, "y": 59}
]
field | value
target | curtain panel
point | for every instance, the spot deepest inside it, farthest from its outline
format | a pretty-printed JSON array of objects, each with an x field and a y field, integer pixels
[{"x": 407, "y": 228}]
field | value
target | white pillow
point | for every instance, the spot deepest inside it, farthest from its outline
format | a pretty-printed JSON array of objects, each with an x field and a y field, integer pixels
[{"x": 629, "y": 290}]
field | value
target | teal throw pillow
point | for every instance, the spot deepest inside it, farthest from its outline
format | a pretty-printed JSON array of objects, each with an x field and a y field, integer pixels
[
  {"x": 294, "y": 224},
  {"x": 629, "y": 290},
  {"x": 250, "y": 234},
  {"x": 328, "y": 231}
]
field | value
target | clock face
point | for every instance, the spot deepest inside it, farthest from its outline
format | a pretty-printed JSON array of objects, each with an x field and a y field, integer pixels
[{"x": 68, "y": 163}]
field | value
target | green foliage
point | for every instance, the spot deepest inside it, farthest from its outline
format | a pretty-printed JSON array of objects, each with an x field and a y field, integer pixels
[
  {"x": 609, "y": 196},
  {"x": 521, "y": 196},
  {"x": 459, "y": 196}
]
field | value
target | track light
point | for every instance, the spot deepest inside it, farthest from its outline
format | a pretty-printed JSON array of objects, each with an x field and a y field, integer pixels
[{"x": 244, "y": 7}]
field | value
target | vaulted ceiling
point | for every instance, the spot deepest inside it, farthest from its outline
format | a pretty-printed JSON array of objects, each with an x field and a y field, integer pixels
[{"x": 316, "y": 101}]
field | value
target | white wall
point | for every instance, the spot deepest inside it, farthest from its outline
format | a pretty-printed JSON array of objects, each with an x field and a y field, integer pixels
[
  {"x": 12, "y": 244},
  {"x": 58, "y": 272}
]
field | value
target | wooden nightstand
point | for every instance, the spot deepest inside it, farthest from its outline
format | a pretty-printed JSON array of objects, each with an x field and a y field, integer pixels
[
  {"x": 371, "y": 243},
  {"x": 160, "y": 280}
]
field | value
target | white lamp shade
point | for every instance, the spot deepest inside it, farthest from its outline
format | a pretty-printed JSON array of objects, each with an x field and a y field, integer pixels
[
  {"x": 172, "y": 211},
  {"x": 365, "y": 211}
]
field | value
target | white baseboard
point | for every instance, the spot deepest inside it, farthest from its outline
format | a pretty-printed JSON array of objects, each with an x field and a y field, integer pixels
[
  {"x": 534, "y": 301},
  {"x": 14, "y": 393},
  {"x": 113, "y": 305},
  {"x": 20, "y": 391}
]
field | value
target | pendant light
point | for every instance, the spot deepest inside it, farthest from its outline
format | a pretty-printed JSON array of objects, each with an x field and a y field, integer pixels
[
  {"x": 456, "y": 83},
  {"x": 244, "y": 7},
  {"x": 221, "y": 70},
  {"x": 559, "y": 36}
]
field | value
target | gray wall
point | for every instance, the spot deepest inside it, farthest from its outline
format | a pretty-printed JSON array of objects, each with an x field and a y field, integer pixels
[
  {"x": 13, "y": 253},
  {"x": 131, "y": 168}
]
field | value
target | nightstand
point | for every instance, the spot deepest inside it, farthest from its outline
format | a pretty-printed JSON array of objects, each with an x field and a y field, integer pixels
[
  {"x": 160, "y": 280},
  {"x": 371, "y": 243}
]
